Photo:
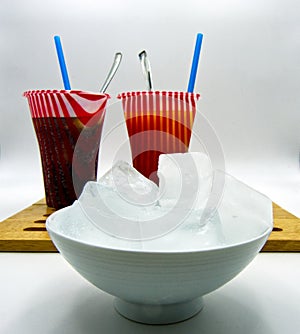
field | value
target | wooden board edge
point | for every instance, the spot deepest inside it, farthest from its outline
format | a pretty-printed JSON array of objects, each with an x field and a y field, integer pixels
[
  {"x": 27, "y": 246},
  {"x": 292, "y": 246}
]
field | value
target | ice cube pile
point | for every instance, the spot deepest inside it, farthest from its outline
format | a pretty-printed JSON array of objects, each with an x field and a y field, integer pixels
[{"x": 130, "y": 209}]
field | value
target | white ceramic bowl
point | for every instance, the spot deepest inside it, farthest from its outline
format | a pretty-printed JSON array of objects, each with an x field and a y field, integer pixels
[{"x": 160, "y": 286}]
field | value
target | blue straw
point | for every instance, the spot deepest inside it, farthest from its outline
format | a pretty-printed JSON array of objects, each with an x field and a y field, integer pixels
[
  {"x": 62, "y": 63},
  {"x": 195, "y": 63}
]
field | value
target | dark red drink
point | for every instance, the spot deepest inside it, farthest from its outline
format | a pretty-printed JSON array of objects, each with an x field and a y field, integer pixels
[
  {"x": 67, "y": 163},
  {"x": 68, "y": 126}
]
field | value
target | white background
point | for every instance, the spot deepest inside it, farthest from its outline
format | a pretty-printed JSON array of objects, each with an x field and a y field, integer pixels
[{"x": 249, "y": 78}]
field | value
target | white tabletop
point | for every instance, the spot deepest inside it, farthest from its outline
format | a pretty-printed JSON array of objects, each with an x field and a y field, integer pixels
[{"x": 41, "y": 293}]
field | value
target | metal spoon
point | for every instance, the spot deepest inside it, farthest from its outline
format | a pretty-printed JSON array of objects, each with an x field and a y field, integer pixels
[
  {"x": 146, "y": 69},
  {"x": 112, "y": 72}
]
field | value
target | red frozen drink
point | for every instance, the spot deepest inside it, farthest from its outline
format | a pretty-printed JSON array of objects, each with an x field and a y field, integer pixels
[{"x": 68, "y": 126}]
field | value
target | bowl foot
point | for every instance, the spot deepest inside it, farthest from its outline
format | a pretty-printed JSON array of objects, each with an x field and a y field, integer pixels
[{"x": 158, "y": 314}]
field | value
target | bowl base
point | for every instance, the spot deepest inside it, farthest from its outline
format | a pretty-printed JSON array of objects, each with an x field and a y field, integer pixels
[{"x": 158, "y": 314}]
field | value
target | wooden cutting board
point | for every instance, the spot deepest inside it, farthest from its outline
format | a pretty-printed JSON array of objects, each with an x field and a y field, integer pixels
[
  {"x": 26, "y": 232},
  {"x": 285, "y": 236}
]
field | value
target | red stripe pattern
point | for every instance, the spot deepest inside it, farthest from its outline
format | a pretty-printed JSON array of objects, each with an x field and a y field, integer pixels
[
  {"x": 158, "y": 122},
  {"x": 65, "y": 103}
]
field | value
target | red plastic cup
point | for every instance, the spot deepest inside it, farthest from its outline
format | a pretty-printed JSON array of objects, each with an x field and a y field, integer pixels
[
  {"x": 157, "y": 122},
  {"x": 68, "y": 126}
]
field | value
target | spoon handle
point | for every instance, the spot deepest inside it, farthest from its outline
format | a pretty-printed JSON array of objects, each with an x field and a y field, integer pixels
[
  {"x": 146, "y": 69},
  {"x": 112, "y": 72}
]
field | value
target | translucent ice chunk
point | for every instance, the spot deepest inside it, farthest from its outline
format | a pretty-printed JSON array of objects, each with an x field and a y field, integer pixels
[
  {"x": 120, "y": 201},
  {"x": 127, "y": 205},
  {"x": 129, "y": 184},
  {"x": 124, "y": 204},
  {"x": 185, "y": 180}
]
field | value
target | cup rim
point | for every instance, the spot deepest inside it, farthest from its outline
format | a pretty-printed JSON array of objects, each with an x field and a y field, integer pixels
[
  {"x": 64, "y": 92},
  {"x": 175, "y": 94}
]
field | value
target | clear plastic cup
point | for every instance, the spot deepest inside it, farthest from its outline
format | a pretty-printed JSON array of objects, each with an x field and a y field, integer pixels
[
  {"x": 68, "y": 126},
  {"x": 157, "y": 122}
]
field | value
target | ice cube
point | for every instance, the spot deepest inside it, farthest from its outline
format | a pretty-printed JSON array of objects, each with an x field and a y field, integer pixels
[
  {"x": 129, "y": 184},
  {"x": 121, "y": 203},
  {"x": 185, "y": 180}
]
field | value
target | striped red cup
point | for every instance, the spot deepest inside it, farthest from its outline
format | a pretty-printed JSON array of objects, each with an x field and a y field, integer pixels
[
  {"x": 157, "y": 122},
  {"x": 68, "y": 126}
]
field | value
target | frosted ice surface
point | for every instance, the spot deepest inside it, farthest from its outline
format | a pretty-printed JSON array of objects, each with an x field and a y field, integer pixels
[
  {"x": 126, "y": 205},
  {"x": 130, "y": 184},
  {"x": 121, "y": 192},
  {"x": 188, "y": 236},
  {"x": 121, "y": 202}
]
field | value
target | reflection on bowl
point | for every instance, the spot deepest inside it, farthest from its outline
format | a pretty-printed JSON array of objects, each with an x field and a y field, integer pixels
[{"x": 163, "y": 280}]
